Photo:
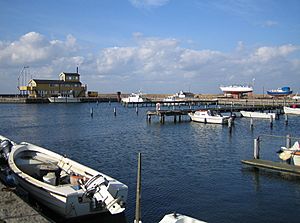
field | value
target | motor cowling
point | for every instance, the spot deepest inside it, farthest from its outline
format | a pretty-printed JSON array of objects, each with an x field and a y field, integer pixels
[{"x": 5, "y": 148}]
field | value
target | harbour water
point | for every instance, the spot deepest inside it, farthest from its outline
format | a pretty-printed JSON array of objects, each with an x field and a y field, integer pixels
[{"x": 190, "y": 168}]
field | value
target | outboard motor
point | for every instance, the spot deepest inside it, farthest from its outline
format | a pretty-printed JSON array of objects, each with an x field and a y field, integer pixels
[{"x": 5, "y": 148}]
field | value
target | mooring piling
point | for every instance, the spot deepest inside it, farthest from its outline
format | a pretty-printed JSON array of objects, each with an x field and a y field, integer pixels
[
  {"x": 92, "y": 112},
  {"x": 138, "y": 191},
  {"x": 286, "y": 119},
  {"x": 256, "y": 148},
  {"x": 251, "y": 123},
  {"x": 288, "y": 141},
  {"x": 271, "y": 121}
]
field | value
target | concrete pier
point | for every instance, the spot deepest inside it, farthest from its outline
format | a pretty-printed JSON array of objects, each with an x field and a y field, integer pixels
[{"x": 14, "y": 210}]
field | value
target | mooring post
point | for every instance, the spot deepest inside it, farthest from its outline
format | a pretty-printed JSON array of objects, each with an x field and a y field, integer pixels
[
  {"x": 288, "y": 141},
  {"x": 138, "y": 191},
  {"x": 179, "y": 118},
  {"x": 256, "y": 148},
  {"x": 286, "y": 119},
  {"x": 230, "y": 122},
  {"x": 251, "y": 123},
  {"x": 271, "y": 121},
  {"x": 115, "y": 111},
  {"x": 137, "y": 110},
  {"x": 149, "y": 118},
  {"x": 175, "y": 118},
  {"x": 91, "y": 112}
]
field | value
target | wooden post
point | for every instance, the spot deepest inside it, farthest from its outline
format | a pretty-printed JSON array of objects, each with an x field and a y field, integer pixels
[
  {"x": 271, "y": 121},
  {"x": 175, "y": 118},
  {"x": 149, "y": 118},
  {"x": 251, "y": 123},
  {"x": 115, "y": 111},
  {"x": 92, "y": 112},
  {"x": 138, "y": 191},
  {"x": 137, "y": 110},
  {"x": 256, "y": 148},
  {"x": 286, "y": 119},
  {"x": 179, "y": 118},
  {"x": 230, "y": 122},
  {"x": 288, "y": 141}
]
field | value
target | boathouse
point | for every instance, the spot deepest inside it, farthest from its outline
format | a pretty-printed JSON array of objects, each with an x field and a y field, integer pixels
[{"x": 68, "y": 84}]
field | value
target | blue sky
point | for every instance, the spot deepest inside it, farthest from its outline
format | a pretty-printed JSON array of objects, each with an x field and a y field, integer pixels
[{"x": 157, "y": 46}]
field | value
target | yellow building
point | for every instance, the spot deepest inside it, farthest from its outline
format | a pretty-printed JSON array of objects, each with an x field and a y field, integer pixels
[{"x": 68, "y": 84}]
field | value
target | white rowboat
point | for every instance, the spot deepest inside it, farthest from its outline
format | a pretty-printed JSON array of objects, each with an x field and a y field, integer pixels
[
  {"x": 292, "y": 111},
  {"x": 179, "y": 218},
  {"x": 249, "y": 114},
  {"x": 65, "y": 186}
]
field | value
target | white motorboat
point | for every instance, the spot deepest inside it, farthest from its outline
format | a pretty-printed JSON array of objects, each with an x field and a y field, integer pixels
[
  {"x": 292, "y": 153},
  {"x": 206, "y": 116},
  {"x": 64, "y": 99},
  {"x": 135, "y": 97},
  {"x": 293, "y": 110},
  {"x": 296, "y": 97},
  {"x": 178, "y": 98},
  {"x": 249, "y": 114},
  {"x": 179, "y": 218},
  {"x": 63, "y": 185}
]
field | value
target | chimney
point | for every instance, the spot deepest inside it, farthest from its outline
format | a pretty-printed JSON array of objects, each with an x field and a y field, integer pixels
[{"x": 77, "y": 69}]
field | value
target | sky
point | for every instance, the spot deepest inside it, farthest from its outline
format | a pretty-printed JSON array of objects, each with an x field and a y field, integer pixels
[{"x": 155, "y": 46}]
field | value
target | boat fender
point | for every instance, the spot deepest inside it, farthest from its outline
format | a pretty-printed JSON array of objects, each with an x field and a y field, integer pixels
[{"x": 10, "y": 179}]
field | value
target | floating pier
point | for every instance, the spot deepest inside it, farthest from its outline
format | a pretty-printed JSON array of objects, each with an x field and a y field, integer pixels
[
  {"x": 277, "y": 166},
  {"x": 224, "y": 109},
  {"x": 163, "y": 113},
  {"x": 268, "y": 164}
]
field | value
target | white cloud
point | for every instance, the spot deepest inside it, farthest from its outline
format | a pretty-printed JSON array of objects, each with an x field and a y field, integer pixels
[
  {"x": 157, "y": 65},
  {"x": 265, "y": 54},
  {"x": 269, "y": 23},
  {"x": 34, "y": 48},
  {"x": 148, "y": 3}
]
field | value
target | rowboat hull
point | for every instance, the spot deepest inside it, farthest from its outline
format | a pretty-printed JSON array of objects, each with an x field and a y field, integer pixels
[
  {"x": 49, "y": 178},
  {"x": 257, "y": 115},
  {"x": 292, "y": 111}
]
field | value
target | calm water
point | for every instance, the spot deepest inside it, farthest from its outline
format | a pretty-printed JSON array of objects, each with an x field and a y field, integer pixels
[{"x": 190, "y": 168}]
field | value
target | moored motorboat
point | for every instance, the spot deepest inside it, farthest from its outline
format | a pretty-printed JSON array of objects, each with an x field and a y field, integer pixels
[
  {"x": 179, "y": 218},
  {"x": 207, "y": 116},
  {"x": 294, "y": 110},
  {"x": 292, "y": 154},
  {"x": 63, "y": 185},
  {"x": 249, "y": 114},
  {"x": 64, "y": 99},
  {"x": 134, "y": 97}
]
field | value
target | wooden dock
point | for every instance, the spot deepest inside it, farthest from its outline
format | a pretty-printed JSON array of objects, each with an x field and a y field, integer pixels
[
  {"x": 219, "y": 109},
  {"x": 277, "y": 166}
]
